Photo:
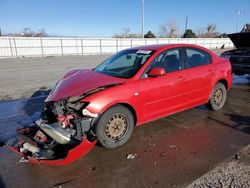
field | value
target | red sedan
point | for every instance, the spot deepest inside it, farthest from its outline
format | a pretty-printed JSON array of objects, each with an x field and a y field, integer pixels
[{"x": 131, "y": 88}]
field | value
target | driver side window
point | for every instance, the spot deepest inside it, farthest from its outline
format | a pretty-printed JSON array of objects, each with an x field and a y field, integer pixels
[{"x": 170, "y": 60}]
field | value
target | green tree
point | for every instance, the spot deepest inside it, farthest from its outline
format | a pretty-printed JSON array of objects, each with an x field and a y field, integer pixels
[
  {"x": 149, "y": 34},
  {"x": 189, "y": 34}
]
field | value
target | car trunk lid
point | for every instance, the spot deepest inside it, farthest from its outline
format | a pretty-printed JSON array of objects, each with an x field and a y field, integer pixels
[{"x": 240, "y": 40}]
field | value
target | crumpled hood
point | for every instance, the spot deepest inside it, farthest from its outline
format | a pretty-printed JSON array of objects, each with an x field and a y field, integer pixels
[
  {"x": 78, "y": 82},
  {"x": 240, "y": 40}
]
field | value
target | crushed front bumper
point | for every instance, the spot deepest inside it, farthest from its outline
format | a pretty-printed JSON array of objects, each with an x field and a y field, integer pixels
[{"x": 77, "y": 152}]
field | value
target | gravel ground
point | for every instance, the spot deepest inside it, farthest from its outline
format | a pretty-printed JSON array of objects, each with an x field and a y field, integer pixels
[{"x": 231, "y": 173}]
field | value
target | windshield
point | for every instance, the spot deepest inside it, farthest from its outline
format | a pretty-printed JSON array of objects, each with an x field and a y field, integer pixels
[{"x": 124, "y": 64}]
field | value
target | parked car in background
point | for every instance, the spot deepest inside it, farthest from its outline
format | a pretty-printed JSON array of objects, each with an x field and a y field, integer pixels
[
  {"x": 239, "y": 57},
  {"x": 131, "y": 88}
]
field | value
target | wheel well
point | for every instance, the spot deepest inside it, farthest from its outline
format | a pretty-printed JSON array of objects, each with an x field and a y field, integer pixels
[
  {"x": 131, "y": 109},
  {"x": 223, "y": 81}
]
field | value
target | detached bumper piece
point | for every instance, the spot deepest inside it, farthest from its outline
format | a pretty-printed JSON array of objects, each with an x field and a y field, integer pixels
[
  {"x": 50, "y": 145},
  {"x": 79, "y": 151}
]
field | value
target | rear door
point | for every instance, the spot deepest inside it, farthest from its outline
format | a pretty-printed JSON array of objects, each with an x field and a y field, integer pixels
[
  {"x": 166, "y": 94},
  {"x": 200, "y": 74}
]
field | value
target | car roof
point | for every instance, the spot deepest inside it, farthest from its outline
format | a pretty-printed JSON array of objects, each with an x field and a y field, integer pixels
[{"x": 160, "y": 47}]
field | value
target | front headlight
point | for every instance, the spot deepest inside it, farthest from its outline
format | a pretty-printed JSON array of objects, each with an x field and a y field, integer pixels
[{"x": 86, "y": 112}]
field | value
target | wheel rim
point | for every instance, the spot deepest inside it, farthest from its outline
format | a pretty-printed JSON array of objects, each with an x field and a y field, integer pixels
[
  {"x": 116, "y": 127},
  {"x": 218, "y": 96}
]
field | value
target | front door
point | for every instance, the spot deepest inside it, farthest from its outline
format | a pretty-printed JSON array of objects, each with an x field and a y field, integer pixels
[{"x": 163, "y": 95}]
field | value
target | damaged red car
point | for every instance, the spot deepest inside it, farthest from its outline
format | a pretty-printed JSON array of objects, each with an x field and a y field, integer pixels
[{"x": 131, "y": 88}]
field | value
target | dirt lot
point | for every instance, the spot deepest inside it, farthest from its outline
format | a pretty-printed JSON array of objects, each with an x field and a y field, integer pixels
[{"x": 170, "y": 152}]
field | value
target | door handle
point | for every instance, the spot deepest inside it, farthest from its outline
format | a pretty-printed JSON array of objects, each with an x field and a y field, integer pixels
[
  {"x": 210, "y": 71},
  {"x": 180, "y": 78}
]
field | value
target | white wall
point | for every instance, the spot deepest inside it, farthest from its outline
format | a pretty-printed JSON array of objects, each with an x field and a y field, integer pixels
[{"x": 50, "y": 46}]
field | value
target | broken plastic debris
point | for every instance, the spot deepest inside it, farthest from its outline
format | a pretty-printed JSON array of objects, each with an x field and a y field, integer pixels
[
  {"x": 236, "y": 156},
  {"x": 131, "y": 156},
  {"x": 23, "y": 160},
  {"x": 172, "y": 146},
  {"x": 163, "y": 154}
]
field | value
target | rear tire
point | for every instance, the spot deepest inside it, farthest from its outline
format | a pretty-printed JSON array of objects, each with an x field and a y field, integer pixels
[
  {"x": 218, "y": 97},
  {"x": 115, "y": 127}
]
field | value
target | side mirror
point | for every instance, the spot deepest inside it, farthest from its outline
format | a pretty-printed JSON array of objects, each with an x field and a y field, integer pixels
[{"x": 158, "y": 71}]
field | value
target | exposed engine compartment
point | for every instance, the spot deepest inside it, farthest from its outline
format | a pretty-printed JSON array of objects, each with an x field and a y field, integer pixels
[
  {"x": 63, "y": 128},
  {"x": 65, "y": 131},
  {"x": 65, "y": 124}
]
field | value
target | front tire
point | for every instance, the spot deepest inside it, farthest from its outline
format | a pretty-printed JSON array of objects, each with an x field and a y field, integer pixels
[
  {"x": 218, "y": 97},
  {"x": 115, "y": 127}
]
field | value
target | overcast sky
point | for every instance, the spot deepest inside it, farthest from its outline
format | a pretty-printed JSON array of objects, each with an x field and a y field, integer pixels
[{"x": 103, "y": 18}]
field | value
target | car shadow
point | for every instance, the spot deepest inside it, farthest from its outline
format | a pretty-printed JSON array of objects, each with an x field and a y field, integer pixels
[
  {"x": 2, "y": 185},
  {"x": 240, "y": 122},
  {"x": 202, "y": 108},
  {"x": 19, "y": 113},
  {"x": 36, "y": 102}
]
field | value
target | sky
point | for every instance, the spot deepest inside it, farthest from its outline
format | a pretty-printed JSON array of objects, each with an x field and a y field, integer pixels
[{"x": 104, "y": 18}]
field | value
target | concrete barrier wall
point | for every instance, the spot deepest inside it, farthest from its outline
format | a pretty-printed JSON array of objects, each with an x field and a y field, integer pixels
[{"x": 50, "y": 46}]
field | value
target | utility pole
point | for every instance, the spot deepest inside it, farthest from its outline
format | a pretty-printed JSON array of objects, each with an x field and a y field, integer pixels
[
  {"x": 237, "y": 19},
  {"x": 186, "y": 24},
  {"x": 142, "y": 19},
  {"x": 238, "y": 13}
]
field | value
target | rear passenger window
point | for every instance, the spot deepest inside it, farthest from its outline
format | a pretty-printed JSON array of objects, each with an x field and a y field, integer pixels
[{"x": 197, "y": 58}]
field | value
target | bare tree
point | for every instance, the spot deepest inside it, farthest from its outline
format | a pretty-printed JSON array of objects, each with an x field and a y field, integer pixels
[
  {"x": 201, "y": 32},
  {"x": 41, "y": 33},
  {"x": 27, "y": 32},
  {"x": 211, "y": 31},
  {"x": 169, "y": 29},
  {"x": 125, "y": 33},
  {"x": 211, "y": 28},
  {"x": 208, "y": 32}
]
